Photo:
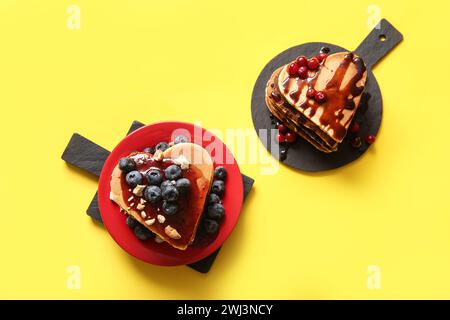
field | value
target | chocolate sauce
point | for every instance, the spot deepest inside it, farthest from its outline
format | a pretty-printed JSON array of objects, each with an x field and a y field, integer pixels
[{"x": 189, "y": 204}]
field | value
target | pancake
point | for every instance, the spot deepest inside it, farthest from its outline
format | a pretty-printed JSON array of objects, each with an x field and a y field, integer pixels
[
  {"x": 177, "y": 230},
  {"x": 341, "y": 76}
]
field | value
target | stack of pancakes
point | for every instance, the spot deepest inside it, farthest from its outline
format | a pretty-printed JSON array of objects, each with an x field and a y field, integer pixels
[{"x": 341, "y": 76}]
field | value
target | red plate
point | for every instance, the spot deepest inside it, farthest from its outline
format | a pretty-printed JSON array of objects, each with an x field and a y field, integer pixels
[{"x": 150, "y": 251}]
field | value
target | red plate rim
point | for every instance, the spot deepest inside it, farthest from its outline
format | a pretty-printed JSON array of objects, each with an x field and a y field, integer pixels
[{"x": 150, "y": 251}]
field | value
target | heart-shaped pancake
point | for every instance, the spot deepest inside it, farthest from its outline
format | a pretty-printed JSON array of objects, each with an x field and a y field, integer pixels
[
  {"x": 322, "y": 120},
  {"x": 176, "y": 229}
]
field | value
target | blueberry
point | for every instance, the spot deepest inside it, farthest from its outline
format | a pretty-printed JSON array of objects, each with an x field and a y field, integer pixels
[
  {"x": 170, "y": 193},
  {"x": 131, "y": 222},
  {"x": 218, "y": 187},
  {"x": 183, "y": 185},
  {"x": 216, "y": 211},
  {"x": 142, "y": 233},
  {"x": 149, "y": 150},
  {"x": 214, "y": 198},
  {"x": 154, "y": 177},
  {"x": 220, "y": 173},
  {"x": 211, "y": 226},
  {"x": 152, "y": 194},
  {"x": 163, "y": 146},
  {"x": 169, "y": 208},
  {"x": 127, "y": 165},
  {"x": 167, "y": 183},
  {"x": 173, "y": 172},
  {"x": 180, "y": 139},
  {"x": 133, "y": 178}
]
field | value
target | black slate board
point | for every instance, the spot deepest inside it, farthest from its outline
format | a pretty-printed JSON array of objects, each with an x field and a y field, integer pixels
[
  {"x": 88, "y": 156},
  {"x": 301, "y": 154}
]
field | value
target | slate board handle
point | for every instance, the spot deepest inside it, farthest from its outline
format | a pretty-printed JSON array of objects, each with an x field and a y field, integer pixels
[{"x": 378, "y": 43}]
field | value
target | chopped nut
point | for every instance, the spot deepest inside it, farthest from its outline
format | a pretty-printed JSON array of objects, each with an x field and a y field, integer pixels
[
  {"x": 143, "y": 201},
  {"x": 131, "y": 204},
  {"x": 138, "y": 190},
  {"x": 172, "y": 232},
  {"x": 130, "y": 198},
  {"x": 140, "y": 206},
  {"x": 158, "y": 239},
  {"x": 158, "y": 156},
  {"x": 161, "y": 218},
  {"x": 150, "y": 222},
  {"x": 129, "y": 190},
  {"x": 143, "y": 214},
  {"x": 182, "y": 162}
]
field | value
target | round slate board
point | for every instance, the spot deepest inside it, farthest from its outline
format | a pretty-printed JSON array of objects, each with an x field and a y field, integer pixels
[{"x": 301, "y": 154}]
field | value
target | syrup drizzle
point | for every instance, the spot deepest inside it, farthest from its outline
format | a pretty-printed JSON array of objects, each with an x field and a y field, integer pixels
[{"x": 337, "y": 99}]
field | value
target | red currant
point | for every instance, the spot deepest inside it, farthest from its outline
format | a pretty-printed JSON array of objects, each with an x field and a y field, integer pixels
[
  {"x": 282, "y": 128},
  {"x": 291, "y": 137},
  {"x": 320, "y": 96},
  {"x": 322, "y": 56},
  {"x": 354, "y": 128},
  {"x": 281, "y": 138},
  {"x": 370, "y": 139},
  {"x": 311, "y": 93},
  {"x": 293, "y": 69},
  {"x": 303, "y": 72},
  {"x": 313, "y": 63},
  {"x": 302, "y": 61}
]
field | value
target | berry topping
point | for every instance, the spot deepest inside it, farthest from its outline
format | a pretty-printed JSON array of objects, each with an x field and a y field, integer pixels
[
  {"x": 152, "y": 194},
  {"x": 313, "y": 63},
  {"x": 220, "y": 173},
  {"x": 173, "y": 172},
  {"x": 218, "y": 187},
  {"x": 302, "y": 61},
  {"x": 154, "y": 177},
  {"x": 211, "y": 226},
  {"x": 180, "y": 139},
  {"x": 170, "y": 193},
  {"x": 142, "y": 233},
  {"x": 320, "y": 96},
  {"x": 282, "y": 128},
  {"x": 356, "y": 142},
  {"x": 149, "y": 150},
  {"x": 293, "y": 69},
  {"x": 216, "y": 211},
  {"x": 162, "y": 146},
  {"x": 169, "y": 208},
  {"x": 133, "y": 178},
  {"x": 322, "y": 56},
  {"x": 183, "y": 185},
  {"x": 354, "y": 128},
  {"x": 303, "y": 72},
  {"x": 281, "y": 137},
  {"x": 166, "y": 183},
  {"x": 291, "y": 137},
  {"x": 131, "y": 222},
  {"x": 311, "y": 93},
  {"x": 127, "y": 165},
  {"x": 370, "y": 139},
  {"x": 213, "y": 198}
]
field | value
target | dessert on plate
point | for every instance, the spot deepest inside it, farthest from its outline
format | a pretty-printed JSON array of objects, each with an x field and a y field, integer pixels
[
  {"x": 317, "y": 98},
  {"x": 165, "y": 190}
]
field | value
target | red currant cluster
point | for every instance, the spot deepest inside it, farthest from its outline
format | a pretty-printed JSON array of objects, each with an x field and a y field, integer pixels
[
  {"x": 285, "y": 135},
  {"x": 301, "y": 68},
  {"x": 357, "y": 141}
]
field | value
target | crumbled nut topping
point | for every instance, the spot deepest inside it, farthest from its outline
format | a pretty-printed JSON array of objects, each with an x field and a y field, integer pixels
[
  {"x": 130, "y": 198},
  {"x": 142, "y": 201},
  {"x": 150, "y": 222},
  {"x": 138, "y": 190},
  {"x": 161, "y": 218},
  {"x": 158, "y": 239},
  {"x": 131, "y": 204},
  {"x": 140, "y": 206},
  {"x": 158, "y": 156},
  {"x": 143, "y": 214},
  {"x": 140, "y": 158},
  {"x": 172, "y": 232},
  {"x": 182, "y": 162}
]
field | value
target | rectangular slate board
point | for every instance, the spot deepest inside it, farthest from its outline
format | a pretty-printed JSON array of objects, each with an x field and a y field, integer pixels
[{"x": 90, "y": 157}]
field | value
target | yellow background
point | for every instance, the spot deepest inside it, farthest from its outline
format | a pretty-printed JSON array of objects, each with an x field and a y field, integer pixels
[{"x": 300, "y": 235}]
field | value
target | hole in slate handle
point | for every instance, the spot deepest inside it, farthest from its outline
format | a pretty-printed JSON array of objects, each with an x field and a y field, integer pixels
[{"x": 382, "y": 37}]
